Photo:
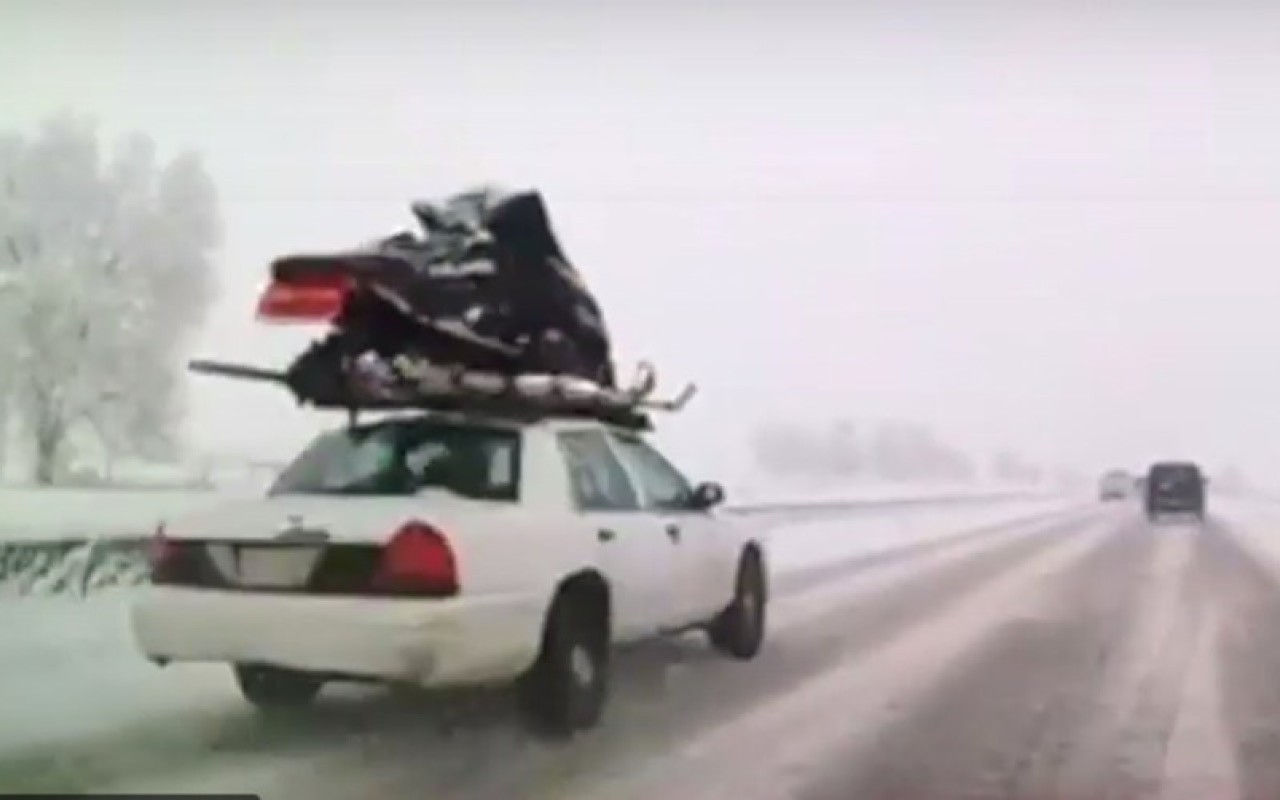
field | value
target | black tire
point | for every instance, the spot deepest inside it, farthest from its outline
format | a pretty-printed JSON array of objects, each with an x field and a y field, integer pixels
[
  {"x": 272, "y": 688},
  {"x": 565, "y": 690},
  {"x": 739, "y": 630}
]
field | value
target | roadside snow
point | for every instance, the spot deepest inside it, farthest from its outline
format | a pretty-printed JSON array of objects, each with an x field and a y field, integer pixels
[
  {"x": 859, "y": 491},
  {"x": 71, "y": 671},
  {"x": 1254, "y": 523},
  {"x": 39, "y": 514},
  {"x": 799, "y": 545}
]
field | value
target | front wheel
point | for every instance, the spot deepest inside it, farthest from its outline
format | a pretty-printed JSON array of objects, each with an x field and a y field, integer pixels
[
  {"x": 739, "y": 630},
  {"x": 271, "y": 688}
]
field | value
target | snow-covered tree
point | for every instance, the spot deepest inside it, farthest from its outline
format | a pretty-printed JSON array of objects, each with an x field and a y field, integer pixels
[
  {"x": 891, "y": 451},
  {"x": 10, "y": 148},
  {"x": 106, "y": 270},
  {"x": 907, "y": 452},
  {"x": 828, "y": 451},
  {"x": 1010, "y": 467}
]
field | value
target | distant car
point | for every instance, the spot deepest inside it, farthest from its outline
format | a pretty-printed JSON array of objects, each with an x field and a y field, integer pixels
[
  {"x": 1175, "y": 487},
  {"x": 1115, "y": 485}
]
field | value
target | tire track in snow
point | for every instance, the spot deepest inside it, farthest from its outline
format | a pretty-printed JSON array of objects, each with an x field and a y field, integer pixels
[
  {"x": 1121, "y": 752},
  {"x": 1077, "y": 699},
  {"x": 771, "y": 749},
  {"x": 1199, "y": 762},
  {"x": 1247, "y": 588}
]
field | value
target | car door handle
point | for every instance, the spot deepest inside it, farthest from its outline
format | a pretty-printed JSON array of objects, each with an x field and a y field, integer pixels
[
  {"x": 605, "y": 535},
  {"x": 673, "y": 531}
]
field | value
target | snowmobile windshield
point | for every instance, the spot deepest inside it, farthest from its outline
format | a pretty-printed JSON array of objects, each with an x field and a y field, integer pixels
[
  {"x": 456, "y": 228},
  {"x": 405, "y": 457}
]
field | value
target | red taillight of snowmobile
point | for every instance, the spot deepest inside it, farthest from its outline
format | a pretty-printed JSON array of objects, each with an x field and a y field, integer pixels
[
  {"x": 418, "y": 562},
  {"x": 312, "y": 299}
]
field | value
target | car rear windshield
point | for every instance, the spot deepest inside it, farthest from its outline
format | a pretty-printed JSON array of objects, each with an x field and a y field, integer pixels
[
  {"x": 403, "y": 457},
  {"x": 1179, "y": 474}
]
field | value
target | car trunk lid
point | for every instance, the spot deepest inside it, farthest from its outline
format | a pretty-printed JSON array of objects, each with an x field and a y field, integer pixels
[{"x": 309, "y": 544}]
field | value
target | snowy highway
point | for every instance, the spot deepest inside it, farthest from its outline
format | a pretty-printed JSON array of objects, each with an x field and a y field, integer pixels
[{"x": 1053, "y": 650}]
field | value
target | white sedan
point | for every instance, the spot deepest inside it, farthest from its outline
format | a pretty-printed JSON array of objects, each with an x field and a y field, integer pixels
[{"x": 446, "y": 549}]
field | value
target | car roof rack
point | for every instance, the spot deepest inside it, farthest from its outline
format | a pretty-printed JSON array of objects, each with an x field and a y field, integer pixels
[{"x": 424, "y": 387}]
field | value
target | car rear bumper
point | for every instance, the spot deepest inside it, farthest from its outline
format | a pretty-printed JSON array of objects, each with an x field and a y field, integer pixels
[
  {"x": 1175, "y": 506},
  {"x": 424, "y": 642}
]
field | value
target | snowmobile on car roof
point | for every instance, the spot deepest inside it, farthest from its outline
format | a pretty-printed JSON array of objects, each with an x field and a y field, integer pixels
[{"x": 482, "y": 306}]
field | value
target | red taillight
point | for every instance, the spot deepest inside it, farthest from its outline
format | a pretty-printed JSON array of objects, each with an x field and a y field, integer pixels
[
  {"x": 312, "y": 299},
  {"x": 417, "y": 561},
  {"x": 161, "y": 552}
]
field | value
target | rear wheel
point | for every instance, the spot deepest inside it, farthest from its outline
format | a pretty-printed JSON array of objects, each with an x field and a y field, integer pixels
[
  {"x": 565, "y": 690},
  {"x": 739, "y": 630},
  {"x": 271, "y": 688}
]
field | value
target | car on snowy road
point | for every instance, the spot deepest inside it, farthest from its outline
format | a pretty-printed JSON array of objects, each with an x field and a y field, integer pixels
[
  {"x": 445, "y": 549},
  {"x": 1116, "y": 485},
  {"x": 1174, "y": 487}
]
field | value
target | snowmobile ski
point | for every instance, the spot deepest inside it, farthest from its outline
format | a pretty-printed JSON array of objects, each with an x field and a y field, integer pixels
[{"x": 240, "y": 371}]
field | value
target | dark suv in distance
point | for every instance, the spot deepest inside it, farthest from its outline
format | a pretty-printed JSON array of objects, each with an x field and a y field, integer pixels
[{"x": 1174, "y": 487}]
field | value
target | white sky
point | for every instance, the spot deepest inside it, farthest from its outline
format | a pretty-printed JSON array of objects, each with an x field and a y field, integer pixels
[{"x": 1029, "y": 223}]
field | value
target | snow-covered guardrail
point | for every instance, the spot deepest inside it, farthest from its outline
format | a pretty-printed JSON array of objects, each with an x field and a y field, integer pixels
[
  {"x": 838, "y": 506},
  {"x": 75, "y": 541},
  {"x": 42, "y": 516}
]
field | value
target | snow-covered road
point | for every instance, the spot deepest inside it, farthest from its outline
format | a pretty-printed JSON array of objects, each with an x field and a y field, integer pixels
[{"x": 1077, "y": 652}]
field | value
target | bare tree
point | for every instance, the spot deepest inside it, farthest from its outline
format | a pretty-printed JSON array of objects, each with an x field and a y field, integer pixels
[
  {"x": 911, "y": 452},
  {"x": 822, "y": 452},
  {"x": 1009, "y": 466}
]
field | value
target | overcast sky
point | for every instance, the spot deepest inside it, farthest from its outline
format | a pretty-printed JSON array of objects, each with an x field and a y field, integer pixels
[{"x": 1029, "y": 223}]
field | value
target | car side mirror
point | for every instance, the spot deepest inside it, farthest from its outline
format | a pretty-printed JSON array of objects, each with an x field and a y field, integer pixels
[{"x": 707, "y": 496}]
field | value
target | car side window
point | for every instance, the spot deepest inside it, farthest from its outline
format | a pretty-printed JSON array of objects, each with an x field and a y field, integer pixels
[
  {"x": 664, "y": 486},
  {"x": 596, "y": 476}
]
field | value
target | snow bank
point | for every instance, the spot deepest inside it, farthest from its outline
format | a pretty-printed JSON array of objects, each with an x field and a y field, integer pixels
[
  {"x": 63, "y": 655},
  {"x": 1254, "y": 523},
  {"x": 53, "y": 514},
  {"x": 873, "y": 492},
  {"x": 69, "y": 567}
]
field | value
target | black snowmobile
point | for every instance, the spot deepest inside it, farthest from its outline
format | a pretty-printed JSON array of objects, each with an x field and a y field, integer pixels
[{"x": 483, "y": 304}]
